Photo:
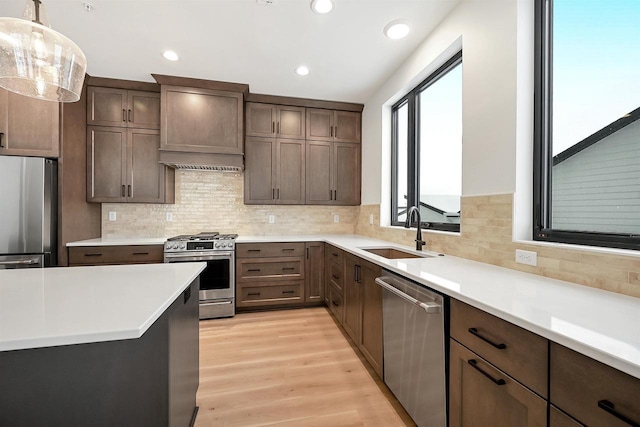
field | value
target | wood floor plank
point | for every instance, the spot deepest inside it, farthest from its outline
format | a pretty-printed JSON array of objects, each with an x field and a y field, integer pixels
[{"x": 288, "y": 368}]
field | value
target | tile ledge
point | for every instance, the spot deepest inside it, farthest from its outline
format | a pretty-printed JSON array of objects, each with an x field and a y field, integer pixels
[{"x": 581, "y": 248}]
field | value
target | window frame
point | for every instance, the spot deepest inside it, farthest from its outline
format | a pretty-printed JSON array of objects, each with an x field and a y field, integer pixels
[
  {"x": 542, "y": 153},
  {"x": 411, "y": 99}
]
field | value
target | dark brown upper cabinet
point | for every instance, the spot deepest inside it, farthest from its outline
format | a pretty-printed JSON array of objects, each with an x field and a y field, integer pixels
[
  {"x": 123, "y": 166},
  {"x": 200, "y": 120},
  {"x": 332, "y": 173},
  {"x": 275, "y": 171},
  {"x": 333, "y": 125},
  {"x": 123, "y": 108},
  {"x": 278, "y": 121},
  {"x": 28, "y": 126}
]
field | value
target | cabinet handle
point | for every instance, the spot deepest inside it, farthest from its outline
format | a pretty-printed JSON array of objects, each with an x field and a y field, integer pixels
[
  {"x": 287, "y": 268},
  {"x": 253, "y": 250},
  {"x": 474, "y": 364},
  {"x": 122, "y": 190},
  {"x": 288, "y": 292},
  {"x": 331, "y": 132},
  {"x": 278, "y": 194},
  {"x": 93, "y": 254},
  {"x": 334, "y": 254},
  {"x": 1, "y": 143},
  {"x": 335, "y": 132},
  {"x": 610, "y": 408},
  {"x": 288, "y": 249},
  {"x": 474, "y": 331},
  {"x": 307, "y": 253},
  {"x": 141, "y": 253},
  {"x": 124, "y": 115},
  {"x": 335, "y": 194},
  {"x": 253, "y": 269},
  {"x": 253, "y": 294},
  {"x": 335, "y": 277},
  {"x": 130, "y": 115},
  {"x": 273, "y": 194},
  {"x": 129, "y": 189},
  {"x": 335, "y": 304},
  {"x": 273, "y": 127}
]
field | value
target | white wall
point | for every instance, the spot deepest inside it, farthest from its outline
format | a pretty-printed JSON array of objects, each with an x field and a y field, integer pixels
[{"x": 486, "y": 30}]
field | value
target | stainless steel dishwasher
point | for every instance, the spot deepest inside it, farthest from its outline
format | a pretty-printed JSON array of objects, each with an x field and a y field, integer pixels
[{"x": 414, "y": 348}]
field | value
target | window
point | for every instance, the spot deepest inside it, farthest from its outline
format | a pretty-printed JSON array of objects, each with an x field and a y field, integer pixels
[
  {"x": 587, "y": 127},
  {"x": 427, "y": 150}
]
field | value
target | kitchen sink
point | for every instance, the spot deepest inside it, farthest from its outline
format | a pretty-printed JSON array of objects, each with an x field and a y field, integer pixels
[{"x": 393, "y": 253}]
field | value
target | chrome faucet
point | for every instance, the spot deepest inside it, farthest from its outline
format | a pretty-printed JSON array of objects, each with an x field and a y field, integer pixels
[{"x": 407, "y": 223}]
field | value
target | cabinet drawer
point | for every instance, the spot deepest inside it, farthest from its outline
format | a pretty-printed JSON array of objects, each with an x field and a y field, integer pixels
[
  {"x": 270, "y": 294},
  {"x": 268, "y": 250},
  {"x": 335, "y": 254},
  {"x": 98, "y": 255},
  {"x": 259, "y": 269},
  {"x": 590, "y": 391},
  {"x": 519, "y": 353},
  {"x": 482, "y": 395},
  {"x": 336, "y": 275},
  {"x": 335, "y": 303}
]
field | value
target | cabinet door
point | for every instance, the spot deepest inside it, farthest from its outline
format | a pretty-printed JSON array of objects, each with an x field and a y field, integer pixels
[
  {"x": 146, "y": 176},
  {"x": 143, "y": 110},
  {"x": 106, "y": 164},
  {"x": 260, "y": 119},
  {"x": 290, "y": 172},
  {"x": 346, "y": 126},
  {"x": 106, "y": 106},
  {"x": 371, "y": 336},
  {"x": 318, "y": 173},
  {"x": 259, "y": 174},
  {"x": 352, "y": 297},
  {"x": 201, "y": 120},
  {"x": 346, "y": 175},
  {"x": 29, "y": 127},
  {"x": 290, "y": 122},
  {"x": 319, "y": 124},
  {"x": 314, "y": 265},
  {"x": 475, "y": 399}
]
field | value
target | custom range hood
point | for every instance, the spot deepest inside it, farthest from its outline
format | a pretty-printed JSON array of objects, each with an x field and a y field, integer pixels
[{"x": 202, "y": 124}]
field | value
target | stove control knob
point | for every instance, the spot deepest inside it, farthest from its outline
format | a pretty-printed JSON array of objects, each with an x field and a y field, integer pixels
[
  {"x": 216, "y": 245},
  {"x": 183, "y": 246}
]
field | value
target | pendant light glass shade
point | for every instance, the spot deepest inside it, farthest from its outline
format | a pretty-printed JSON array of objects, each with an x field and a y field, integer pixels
[{"x": 37, "y": 61}]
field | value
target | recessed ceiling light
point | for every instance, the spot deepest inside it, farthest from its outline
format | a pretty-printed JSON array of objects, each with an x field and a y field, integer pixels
[
  {"x": 170, "y": 55},
  {"x": 302, "y": 70},
  {"x": 322, "y": 6},
  {"x": 396, "y": 29}
]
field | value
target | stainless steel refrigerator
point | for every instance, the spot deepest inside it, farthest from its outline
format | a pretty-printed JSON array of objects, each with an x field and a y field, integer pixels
[{"x": 28, "y": 212}]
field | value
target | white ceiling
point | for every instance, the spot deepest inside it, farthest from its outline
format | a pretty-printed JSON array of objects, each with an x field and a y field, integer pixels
[{"x": 244, "y": 42}]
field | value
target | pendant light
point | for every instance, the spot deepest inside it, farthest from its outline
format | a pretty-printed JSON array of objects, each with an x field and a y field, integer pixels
[{"x": 37, "y": 61}]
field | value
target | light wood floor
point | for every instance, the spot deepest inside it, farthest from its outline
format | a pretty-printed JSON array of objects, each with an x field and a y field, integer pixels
[{"x": 288, "y": 368}]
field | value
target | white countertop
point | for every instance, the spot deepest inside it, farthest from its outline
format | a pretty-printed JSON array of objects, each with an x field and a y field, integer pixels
[
  {"x": 119, "y": 241},
  {"x": 74, "y": 305},
  {"x": 600, "y": 324},
  {"x": 597, "y": 323}
]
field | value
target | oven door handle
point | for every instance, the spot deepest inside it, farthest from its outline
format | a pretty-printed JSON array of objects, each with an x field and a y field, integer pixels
[{"x": 198, "y": 256}]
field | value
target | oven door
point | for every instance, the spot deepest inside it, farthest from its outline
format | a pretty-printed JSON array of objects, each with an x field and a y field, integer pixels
[{"x": 217, "y": 280}]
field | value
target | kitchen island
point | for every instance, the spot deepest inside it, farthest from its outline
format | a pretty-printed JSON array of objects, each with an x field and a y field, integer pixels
[{"x": 100, "y": 346}]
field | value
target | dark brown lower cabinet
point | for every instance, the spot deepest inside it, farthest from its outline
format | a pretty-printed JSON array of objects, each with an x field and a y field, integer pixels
[
  {"x": 482, "y": 395},
  {"x": 117, "y": 254},
  {"x": 314, "y": 265},
  {"x": 593, "y": 393},
  {"x": 557, "y": 418},
  {"x": 362, "y": 316}
]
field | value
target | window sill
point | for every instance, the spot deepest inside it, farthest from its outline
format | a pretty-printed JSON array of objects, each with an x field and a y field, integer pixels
[
  {"x": 581, "y": 248},
  {"x": 424, "y": 230}
]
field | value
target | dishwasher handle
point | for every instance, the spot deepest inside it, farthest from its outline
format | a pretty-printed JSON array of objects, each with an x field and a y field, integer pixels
[{"x": 429, "y": 307}]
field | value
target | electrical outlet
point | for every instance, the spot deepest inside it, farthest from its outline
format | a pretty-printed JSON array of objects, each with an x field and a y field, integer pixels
[
  {"x": 112, "y": 216},
  {"x": 336, "y": 218},
  {"x": 526, "y": 257},
  {"x": 272, "y": 219},
  {"x": 169, "y": 216},
  {"x": 371, "y": 219}
]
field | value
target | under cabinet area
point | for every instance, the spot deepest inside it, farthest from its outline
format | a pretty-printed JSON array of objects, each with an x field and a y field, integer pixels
[
  {"x": 115, "y": 255},
  {"x": 28, "y": 126}
]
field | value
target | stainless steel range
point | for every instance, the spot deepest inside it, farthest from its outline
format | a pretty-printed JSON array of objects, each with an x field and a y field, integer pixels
[{"x": 217, "y": 281}]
